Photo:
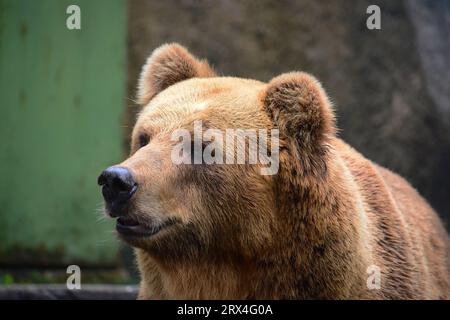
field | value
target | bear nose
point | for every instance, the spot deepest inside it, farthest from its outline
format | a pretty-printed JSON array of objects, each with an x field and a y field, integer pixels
[{"x": 118, "y": 186}]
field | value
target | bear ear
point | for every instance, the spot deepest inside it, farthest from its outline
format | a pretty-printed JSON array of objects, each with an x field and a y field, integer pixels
[
  {"x": 167, "y": 65},
  {"x": 300, "y": 108}
]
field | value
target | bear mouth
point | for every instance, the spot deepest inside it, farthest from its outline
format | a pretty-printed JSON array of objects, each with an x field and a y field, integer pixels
[{"x": 130, "y": 227}]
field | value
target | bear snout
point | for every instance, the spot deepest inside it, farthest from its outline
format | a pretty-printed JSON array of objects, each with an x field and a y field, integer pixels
[{"x": 118, "y": 186}]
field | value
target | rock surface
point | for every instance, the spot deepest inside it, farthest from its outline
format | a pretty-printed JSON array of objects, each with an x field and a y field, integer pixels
[{"x": 60, "y": 292}]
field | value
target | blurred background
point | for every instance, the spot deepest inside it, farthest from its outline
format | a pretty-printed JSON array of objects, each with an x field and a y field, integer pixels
[{"x": 66, "y": 103}]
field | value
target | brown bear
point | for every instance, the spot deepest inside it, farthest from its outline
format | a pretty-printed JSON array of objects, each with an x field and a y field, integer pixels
[{"x": 330, "y": 224}]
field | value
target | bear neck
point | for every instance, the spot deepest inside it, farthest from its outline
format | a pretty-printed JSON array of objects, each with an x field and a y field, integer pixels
[{"x": 321, "y": 218}]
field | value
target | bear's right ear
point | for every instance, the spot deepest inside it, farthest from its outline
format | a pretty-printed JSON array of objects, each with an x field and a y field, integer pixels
[
  {"x": 300, "y": 109},
  {"x": 167, "y": 65}
]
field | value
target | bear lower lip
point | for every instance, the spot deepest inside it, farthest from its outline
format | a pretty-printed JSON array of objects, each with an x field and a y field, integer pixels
[
  {"x": 127, "y": 222},
  {"x": 130, "y": 227}
]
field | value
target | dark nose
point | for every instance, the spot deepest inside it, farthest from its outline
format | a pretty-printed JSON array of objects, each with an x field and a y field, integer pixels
[{"x": 118, "y": 186}]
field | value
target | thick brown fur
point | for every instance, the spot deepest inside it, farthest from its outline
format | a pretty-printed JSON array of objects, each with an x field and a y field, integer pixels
[
  {"x": 309, "y": 232},
  {"x": 169, "y": 64}
]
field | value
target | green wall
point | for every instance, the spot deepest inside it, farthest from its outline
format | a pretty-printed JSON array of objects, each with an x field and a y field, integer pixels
[{"x": 61, "y": 107}]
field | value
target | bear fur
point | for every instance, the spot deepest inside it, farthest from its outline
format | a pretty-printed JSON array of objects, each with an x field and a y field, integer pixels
[{"x": 314, "y": 230}]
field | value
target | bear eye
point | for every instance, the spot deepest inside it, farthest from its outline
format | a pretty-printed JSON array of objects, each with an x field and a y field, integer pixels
[{"x": 143, "y": 140}]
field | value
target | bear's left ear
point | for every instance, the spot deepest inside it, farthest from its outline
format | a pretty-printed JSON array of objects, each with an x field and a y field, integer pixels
[
  {"x": 167, "y": 65},
  {"x": 300, "y": 108}
]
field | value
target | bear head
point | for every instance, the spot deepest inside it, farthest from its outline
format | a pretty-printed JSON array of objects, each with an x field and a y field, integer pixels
[{"x": 180, "y": 210}]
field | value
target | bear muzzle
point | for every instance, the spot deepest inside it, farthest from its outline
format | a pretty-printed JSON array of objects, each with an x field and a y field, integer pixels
[{"x": 118, "y": 186}]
